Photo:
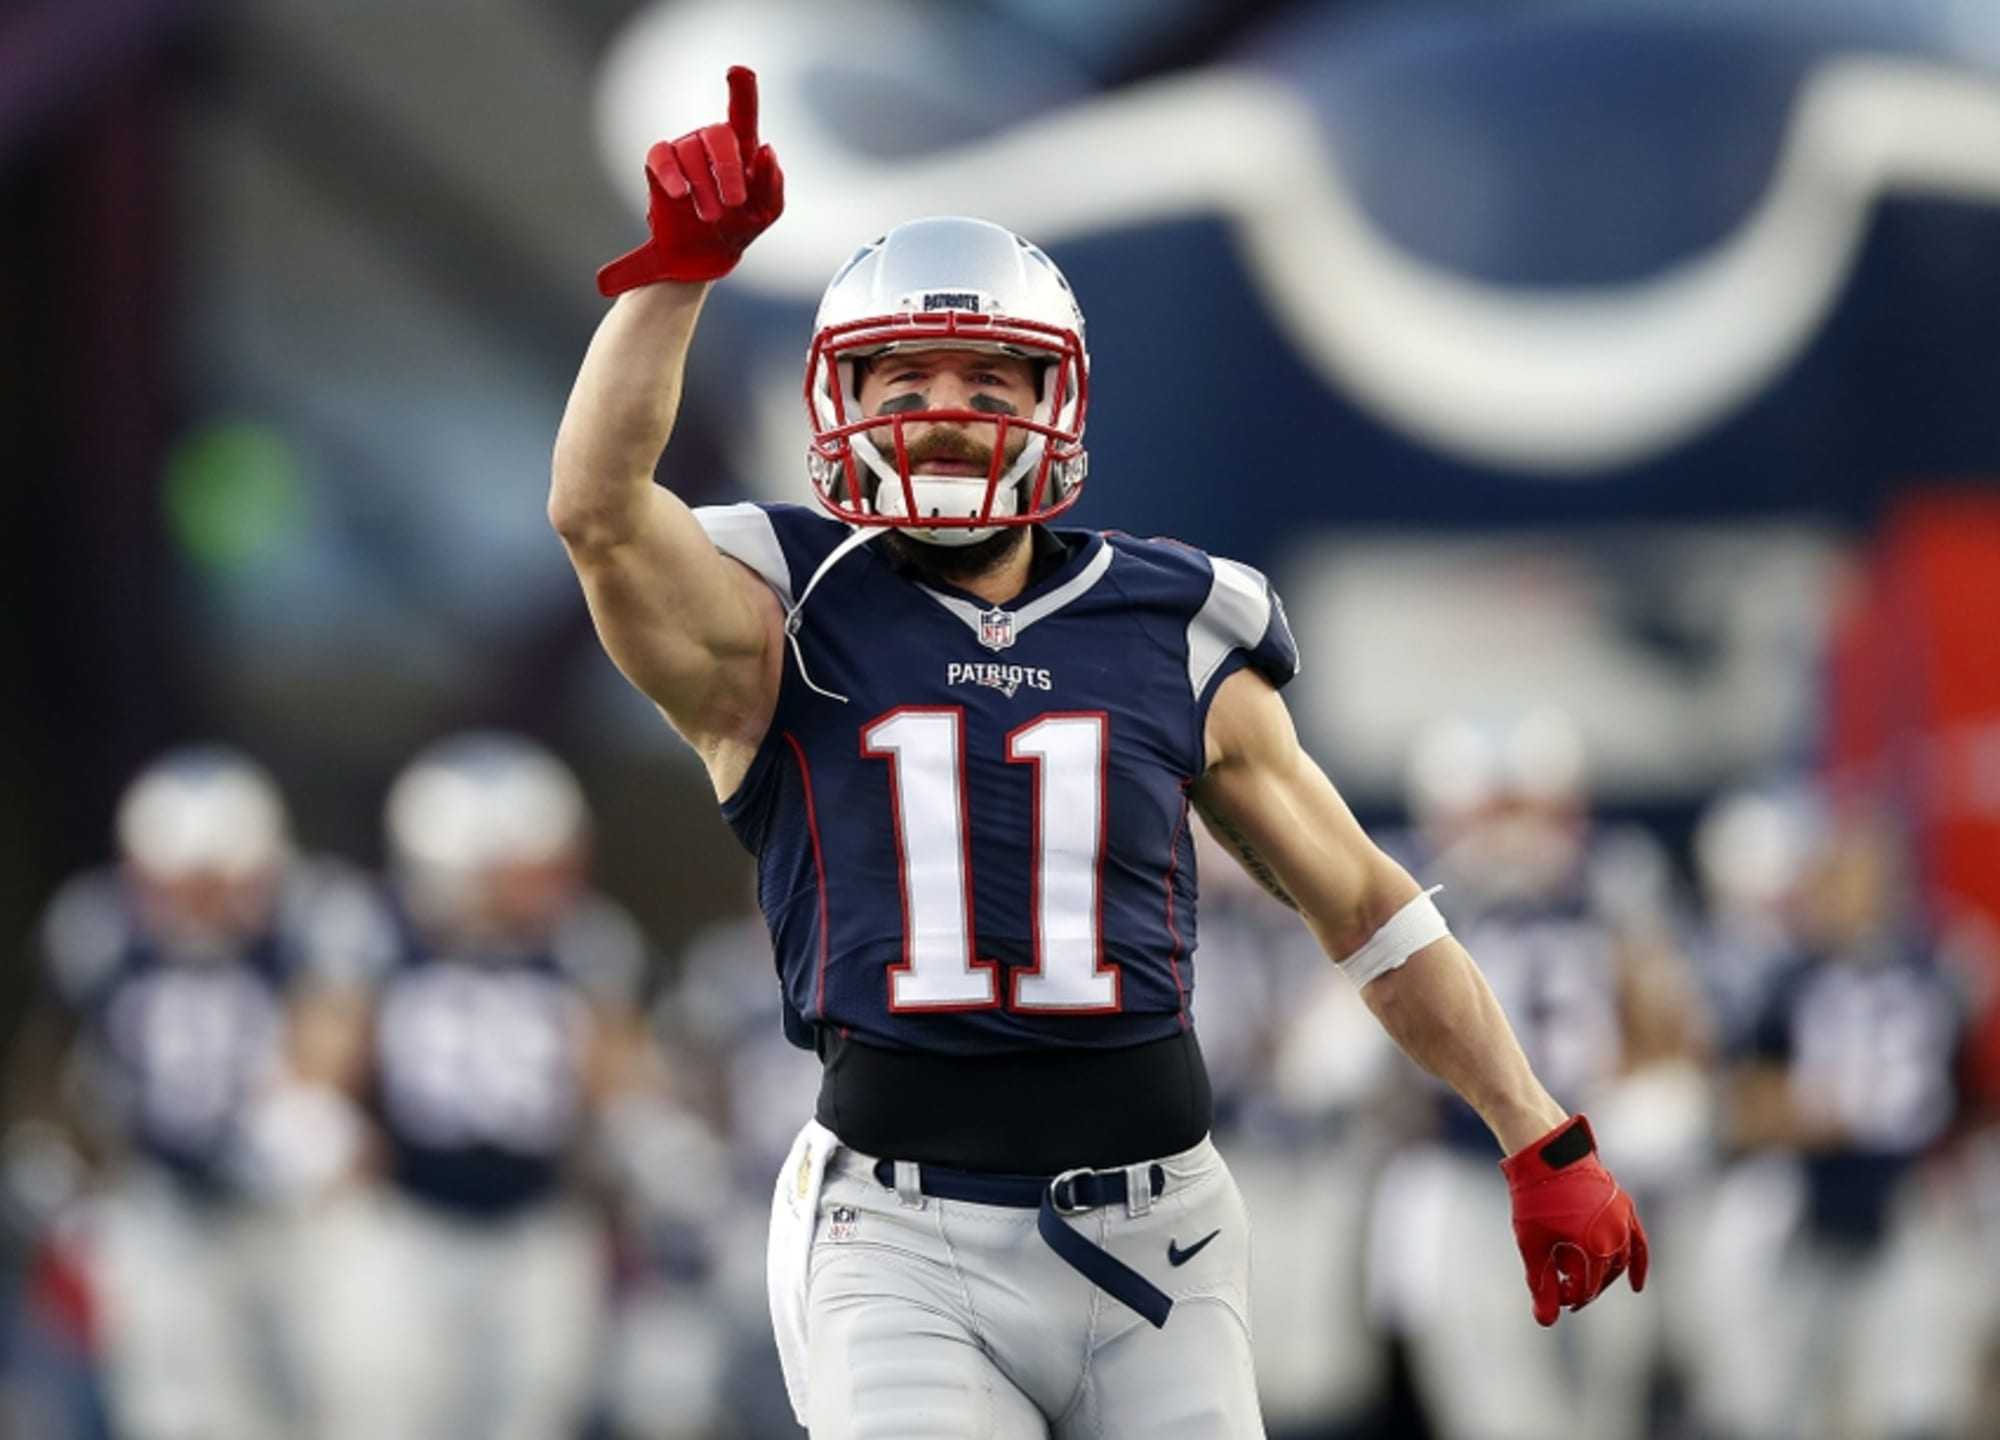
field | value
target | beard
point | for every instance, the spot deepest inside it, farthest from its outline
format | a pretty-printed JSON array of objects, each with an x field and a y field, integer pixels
[{"x": 956, "y": 564}]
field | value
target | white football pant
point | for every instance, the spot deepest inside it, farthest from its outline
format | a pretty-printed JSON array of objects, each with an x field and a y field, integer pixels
[
  {"x": 191, "y": 1329},
  {"x": 1813, "y": 1339},
  {"x": 424, "y": 1325},
  {"x": 948, "y": 1320}
]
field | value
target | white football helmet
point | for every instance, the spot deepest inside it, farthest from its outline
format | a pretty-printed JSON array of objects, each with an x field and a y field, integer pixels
[
  {"x": 1753, "y": 849},
  {"x": 205, "y": 840},
  {"x": 203, "y": 808},
  {"x": 948, "y": 283},
  {"x": 468, "y": 812},
  {"x": 1502, "y": 802}
]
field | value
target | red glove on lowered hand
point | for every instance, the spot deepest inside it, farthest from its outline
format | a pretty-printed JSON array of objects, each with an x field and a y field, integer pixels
[
  {"x": 1577, "y": 1229},
  {"x": 714, "y": 190}
]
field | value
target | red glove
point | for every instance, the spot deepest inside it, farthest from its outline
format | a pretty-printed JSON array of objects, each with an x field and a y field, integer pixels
[
  {"x": 707, "y": 203},
  {"x": 1577, "y": 1230}
]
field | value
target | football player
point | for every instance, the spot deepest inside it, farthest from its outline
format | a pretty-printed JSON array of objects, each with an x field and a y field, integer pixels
[
  {"x": 965, "y": 758},
  {"x": 193, "y": 978},
  {"x": 1849, "y": 1311},
  {"x": 465, "y": 1296},
  {"x": 1752, "y": 848}
]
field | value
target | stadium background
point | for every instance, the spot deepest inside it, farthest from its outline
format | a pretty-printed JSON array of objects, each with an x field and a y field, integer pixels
[{"x": 1631, "y": 356}]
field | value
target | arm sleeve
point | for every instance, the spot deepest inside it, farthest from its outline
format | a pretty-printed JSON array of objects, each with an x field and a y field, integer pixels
[
  {"x": 1240, "y": 622},
  {"x": 748, "y": 533}
]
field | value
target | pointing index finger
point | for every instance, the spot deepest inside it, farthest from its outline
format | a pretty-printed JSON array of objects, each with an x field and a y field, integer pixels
[{"x": 743, "y": 107}]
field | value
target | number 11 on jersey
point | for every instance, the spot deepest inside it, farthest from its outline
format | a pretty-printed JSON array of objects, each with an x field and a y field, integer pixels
[{"x": 925, "y": 748}]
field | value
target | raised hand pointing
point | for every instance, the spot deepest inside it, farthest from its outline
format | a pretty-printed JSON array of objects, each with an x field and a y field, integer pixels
[{"x": 712, "y": 192}]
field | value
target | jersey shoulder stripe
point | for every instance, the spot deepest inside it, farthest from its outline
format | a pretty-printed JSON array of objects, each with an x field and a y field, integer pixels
[
  {"x": 783, "y": 543},
  {"x": 745, "y": 532},
  {"x": 1236, "y": 615},
  {"x": 1230, "y": 614}
]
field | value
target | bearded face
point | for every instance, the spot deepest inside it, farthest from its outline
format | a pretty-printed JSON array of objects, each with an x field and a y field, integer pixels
[{"x": 949, "y": 452}]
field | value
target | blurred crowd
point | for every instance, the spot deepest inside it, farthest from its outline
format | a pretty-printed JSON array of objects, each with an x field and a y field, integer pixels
[{"x": 450, "y": 1153}]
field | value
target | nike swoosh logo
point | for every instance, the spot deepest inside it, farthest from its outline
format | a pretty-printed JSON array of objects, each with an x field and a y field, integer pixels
[{"x": 1178, "y": 1256}]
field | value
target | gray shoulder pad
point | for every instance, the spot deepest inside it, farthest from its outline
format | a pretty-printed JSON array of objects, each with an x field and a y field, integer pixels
[
  {"x": 343, "y": 928},
  {"x": 600, "y": 946},
  {"x": 1234, "y": 617},
  {"x": 744, "y": 532},
  {"x": 83, "y": 936}
]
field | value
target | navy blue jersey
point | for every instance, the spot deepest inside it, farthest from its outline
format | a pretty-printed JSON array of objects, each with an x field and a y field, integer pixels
[
  {"x": 983, "y": 847},
  {"x": 1872, "y": 1044},
  {"x": 177, "y": 1045},
  {"x": 480, "y": 1058}
]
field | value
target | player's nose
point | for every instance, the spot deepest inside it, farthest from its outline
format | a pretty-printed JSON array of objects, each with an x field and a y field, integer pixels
[{"x": 948, "y": 392}]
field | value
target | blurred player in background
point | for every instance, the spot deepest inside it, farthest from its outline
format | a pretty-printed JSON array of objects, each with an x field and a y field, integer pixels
[
  {"x": 463, "y": 1298},
  {"x": 752, "y": 1084},
  {"x": 1569, "y": 924},
  {"x": 1846, "y": 1314},
  {"x": 1303, "y": 1077},
  {"x": 966, "y": 772},
  {"x": 192, "y": 988},
  {"x": 1752, "y": 847}
]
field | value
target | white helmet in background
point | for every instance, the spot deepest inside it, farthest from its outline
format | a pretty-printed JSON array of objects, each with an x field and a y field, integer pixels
[
  {"x": 487, "y": 834},
  {"x": 948, "y": 283},
  {"x": 1754, "y": 847},
  {"x": 205, "y": 839},
  {"x": 1502, "y": 804}
]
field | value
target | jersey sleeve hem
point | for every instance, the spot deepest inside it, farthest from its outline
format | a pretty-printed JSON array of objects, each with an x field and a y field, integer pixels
[
  {"x": 745, "y": 532},
  {"x": 1229, "y": 664},
  {"x": 1240, "y": 622}
]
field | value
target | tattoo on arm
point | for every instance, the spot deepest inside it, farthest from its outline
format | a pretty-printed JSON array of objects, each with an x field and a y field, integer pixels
[{"x": 1253, "y": 863}]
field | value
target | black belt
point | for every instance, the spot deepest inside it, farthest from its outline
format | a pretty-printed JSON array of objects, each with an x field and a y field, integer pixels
[{"x": 1071, "y": 1193}]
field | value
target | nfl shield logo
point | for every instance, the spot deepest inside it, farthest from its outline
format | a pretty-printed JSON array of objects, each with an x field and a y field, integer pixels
[{"x": 996, "y": 629}]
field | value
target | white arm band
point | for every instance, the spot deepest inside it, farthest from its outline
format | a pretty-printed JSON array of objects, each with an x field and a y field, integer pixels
[{"x": 1402, "y": 935}]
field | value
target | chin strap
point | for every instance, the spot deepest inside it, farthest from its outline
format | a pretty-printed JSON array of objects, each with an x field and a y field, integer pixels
[{"x": 795, "y": 617}]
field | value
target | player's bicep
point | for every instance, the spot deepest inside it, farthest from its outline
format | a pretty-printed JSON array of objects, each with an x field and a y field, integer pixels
[
  {"x": 691, "y": 627},
  {"x": 667, "y": 637},
  {"x": 1267, "y": 801}
]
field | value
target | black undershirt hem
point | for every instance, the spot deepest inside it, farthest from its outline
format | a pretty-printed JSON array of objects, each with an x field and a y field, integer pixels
[{"x": 1038, "y": 1112}]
